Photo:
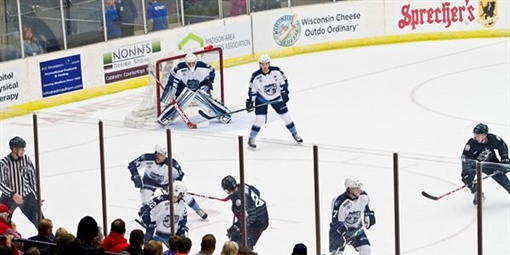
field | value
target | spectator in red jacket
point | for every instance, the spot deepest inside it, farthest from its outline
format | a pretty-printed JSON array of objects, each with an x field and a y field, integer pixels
[
  {"x": 8, "y": 229},
  {"x": 115, "y": 241}
]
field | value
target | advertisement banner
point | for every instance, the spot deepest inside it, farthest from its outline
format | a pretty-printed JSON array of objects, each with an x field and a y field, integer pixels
[
  {"x": 9, "y": 87},
  {"x": 61, "y": 75},
  {"x": 128, "y": 61}
]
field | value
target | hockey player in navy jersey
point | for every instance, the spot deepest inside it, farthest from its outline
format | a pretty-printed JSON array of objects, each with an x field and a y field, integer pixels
[
  {"x": 482, "y": 148},
  {"x": 155, "y": 215},
  {"x": 350, "y": 214},
  {"x": 191, "y": 80},
  {"x": 269, "y": 84},
  {"x": 155, "y": 176},
  {"x": 257, "y": 219}
]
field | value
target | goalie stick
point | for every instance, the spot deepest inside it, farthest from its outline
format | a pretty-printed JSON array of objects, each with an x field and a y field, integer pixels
[
  {"x": 209, "y": 117},
  {"x": 179, "y": 110},
  {"x": 427, "y": 195},
  {"x": 208, "y": 197}
]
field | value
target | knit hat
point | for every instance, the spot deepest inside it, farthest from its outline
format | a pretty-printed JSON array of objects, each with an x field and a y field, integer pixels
[
  {"x": 299, "y": 249},
  {"x": 4, "y": 209}
]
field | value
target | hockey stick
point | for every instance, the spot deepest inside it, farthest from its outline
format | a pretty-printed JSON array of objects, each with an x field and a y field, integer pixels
[
  {"x": 208, "y": 197},
  {"x": 205, "y": 115},
  {"x": 179, "y": 110},
  {"x": 425, "y": 194},
  {"x": 350, "y": 239}
]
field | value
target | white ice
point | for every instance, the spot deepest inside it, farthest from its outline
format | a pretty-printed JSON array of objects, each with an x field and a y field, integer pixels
[{"x": 359, "y": 106}]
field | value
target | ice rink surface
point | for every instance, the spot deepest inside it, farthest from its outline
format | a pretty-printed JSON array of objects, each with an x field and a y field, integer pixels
[{"x": 359, "y": 106}]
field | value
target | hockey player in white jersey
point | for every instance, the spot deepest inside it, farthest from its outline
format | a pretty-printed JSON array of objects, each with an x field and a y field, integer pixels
[
  {"x": 191, "y": 80},
  {"x": 350, "y": 215},
  {"x": 269, "y": 85},
  {"x": 155, "y": 176},
  {"x": 155, "y": 215}
]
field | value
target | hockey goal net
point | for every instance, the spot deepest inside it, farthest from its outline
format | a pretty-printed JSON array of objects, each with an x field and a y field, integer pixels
[{"x": 161, "y": 65}]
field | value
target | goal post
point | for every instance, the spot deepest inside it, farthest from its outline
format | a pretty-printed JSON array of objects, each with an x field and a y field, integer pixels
[{"x": 161, "y": 64}]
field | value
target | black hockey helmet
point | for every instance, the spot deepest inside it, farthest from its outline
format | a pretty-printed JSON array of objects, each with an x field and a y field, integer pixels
[
  {"x": 17, "y": 142},
  {"x": 228, "y": 183},
  {"x": 481, "y": 129}
]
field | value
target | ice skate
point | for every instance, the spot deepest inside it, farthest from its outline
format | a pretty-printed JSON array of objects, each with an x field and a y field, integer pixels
[
  {"x": 297, "y": 138},
  {"x": 251, "y": 143},
  {"x": 475, "y": 199}
]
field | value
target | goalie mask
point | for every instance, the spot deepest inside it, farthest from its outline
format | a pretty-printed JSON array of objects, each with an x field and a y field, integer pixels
[{"x": 191, "y": 61}]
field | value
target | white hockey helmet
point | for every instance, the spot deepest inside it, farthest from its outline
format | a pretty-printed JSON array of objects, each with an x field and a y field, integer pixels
[
  {"x": 160, "y": 149},
  {"x": 179, "y": 189},
  {"x": 353, "y": 182},
  {"x": 264, "y": 59},
  {"x": 191, "y": 60}
]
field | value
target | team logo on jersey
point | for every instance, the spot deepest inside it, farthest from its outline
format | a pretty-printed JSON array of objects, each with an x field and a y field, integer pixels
[
  {"x": 166, "y": 221},
  {"x": 238, "y": 202},
  {"x": 488, "y": 12},
  {"x": 270, "y": 89},
  {"x": 286, "y": 30},
  {"x": 467, "y": 148}
]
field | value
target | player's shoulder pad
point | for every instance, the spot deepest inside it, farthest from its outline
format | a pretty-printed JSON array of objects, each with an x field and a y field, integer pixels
[
  {"x": 148, "y": 156},
  {"x": 202, "y": 64},
  {"x": 340, "y": 199},
  {"x": 181, "y": 65},
  {"x": 275, "y": 68}
]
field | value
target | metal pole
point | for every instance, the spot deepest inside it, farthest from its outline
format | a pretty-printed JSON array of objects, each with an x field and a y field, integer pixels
[
  {"x": 170, "y": 180},
  {"x": 479, "y": 207},
  {"x": 242, "y": 195},
  {"x": 317, "y": 199},
  {"x": 103, "y": 177},
  {"x": 37, "y": 168},
  {"x": 396, "y": 203}
]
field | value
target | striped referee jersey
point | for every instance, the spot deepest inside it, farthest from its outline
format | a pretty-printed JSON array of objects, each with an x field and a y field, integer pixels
[{"x": 17, "y": 176}]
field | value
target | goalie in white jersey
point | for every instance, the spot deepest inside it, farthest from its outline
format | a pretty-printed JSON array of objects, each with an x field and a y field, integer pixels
[
  {"x": 155, "y": 176},
  {"x": 155, "y": 215},
  {"x": 348, "y": 211},
  {"x": 268, "y": 85},
  {"x": 191, "y": 80}
]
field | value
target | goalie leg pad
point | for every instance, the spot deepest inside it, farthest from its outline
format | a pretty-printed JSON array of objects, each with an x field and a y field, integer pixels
[
  {"x": 170, "y": 113},
  {"x": 206, "y": 102}
]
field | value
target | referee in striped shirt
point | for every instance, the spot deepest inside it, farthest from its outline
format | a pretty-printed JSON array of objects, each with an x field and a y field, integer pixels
[{"x": 17, "y": 181}]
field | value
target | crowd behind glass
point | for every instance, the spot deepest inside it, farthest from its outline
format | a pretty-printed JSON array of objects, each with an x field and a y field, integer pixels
[{"x": 32, "y": 27}]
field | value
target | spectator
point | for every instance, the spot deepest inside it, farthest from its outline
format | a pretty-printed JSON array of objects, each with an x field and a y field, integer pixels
[
  {"x": 44, "y": 234},
  {"x": 135, "y": 242},
  {"x": 184, "y": 246},
  {"x": 127, "y": 14},
  {"x": 237, "y": 7},
  {"x": 230, "y": 248},
  {"x": 157, "y": 16},
  {"x": 60, "y": 231},
  {"x": 153, "y": 247},
  {"x": 245, "y": 251},
  {"x": 208, "y": 245},
  {"x": 87, "y": 233},
  {"x": 9, "y": 230},
  {"x": 32, "y": 251},
  {"x": 299, "y": 249},
  {"x": 5, "y": 249},
  {"x": 115, "y": 241},
  {"x": 31, "y": 45},
  {"x": 62, "y": 239},
  {"x": 17, "y": 182},
  {"x": 112, "y": 20},
  {"x": 261, "y": 5},
  {"x": 173, "y": 242}
]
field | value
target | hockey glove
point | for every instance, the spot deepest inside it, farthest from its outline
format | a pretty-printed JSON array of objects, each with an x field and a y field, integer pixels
[
  {"x": 249, "y": 105},
  {"x": 467, "y": 178},
  {"x": 182, "y": 231},
  {"x": 339, "y": 227},
  {"x": 369, "y": 219},
  {"x": 234, "y": 233},
  {"x": 137, "y": 180},
  {"x": 285, "y": 96}
]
